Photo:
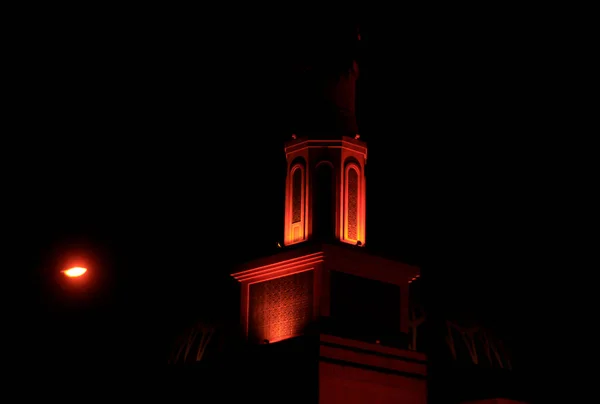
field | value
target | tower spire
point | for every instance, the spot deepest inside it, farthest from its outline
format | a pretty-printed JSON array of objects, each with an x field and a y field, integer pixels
[{"x": 325, "y": 185}]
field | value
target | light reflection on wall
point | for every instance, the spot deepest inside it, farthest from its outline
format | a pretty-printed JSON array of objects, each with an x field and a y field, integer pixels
[{"x": 280, "y": 308}]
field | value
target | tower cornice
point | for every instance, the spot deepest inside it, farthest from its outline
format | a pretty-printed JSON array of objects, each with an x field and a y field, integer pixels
[{"x": 307, "y": 142}]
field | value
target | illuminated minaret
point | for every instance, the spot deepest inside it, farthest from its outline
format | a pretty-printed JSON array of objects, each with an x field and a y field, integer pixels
[
  {"x": 323, "y": 307},
  {"x": 325, "y": 320},
  {"x": 325, "y": 183}
]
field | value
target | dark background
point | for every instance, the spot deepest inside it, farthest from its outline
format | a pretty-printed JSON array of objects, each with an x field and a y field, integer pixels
[{"x": 151, "y": 145}]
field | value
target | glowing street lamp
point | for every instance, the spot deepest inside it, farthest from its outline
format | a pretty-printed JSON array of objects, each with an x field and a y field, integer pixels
[{"x": 74, "y": 272}]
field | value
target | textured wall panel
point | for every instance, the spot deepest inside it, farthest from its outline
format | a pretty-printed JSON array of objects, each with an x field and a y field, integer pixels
[
  {"x": 280, "y": 308},
  {"x": 297, "y": 196},
  {"x": 352, "y": 204}
]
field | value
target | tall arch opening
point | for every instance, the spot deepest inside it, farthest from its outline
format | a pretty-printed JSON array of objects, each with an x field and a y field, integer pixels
[
  {"x": 353, "y": 203},
  {"x": 324, "y": 203},
  {"x": 297, "y": 192},
  {"x": 296, "y": 216}
]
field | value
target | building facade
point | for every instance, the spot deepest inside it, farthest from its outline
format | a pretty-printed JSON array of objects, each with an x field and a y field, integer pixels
[{"x": 324, "y": 319}]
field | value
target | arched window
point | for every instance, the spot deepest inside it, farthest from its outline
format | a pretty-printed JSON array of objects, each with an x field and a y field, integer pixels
[
  {"x": 297, "y": 210},
  {"x": 352, "y": 204},
  {"x": 352, "y": 191}
]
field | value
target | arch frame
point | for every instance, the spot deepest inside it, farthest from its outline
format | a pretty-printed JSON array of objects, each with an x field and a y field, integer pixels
[
  {"x": 349, "y": 165},
  {"x": 295, "y": 230}
]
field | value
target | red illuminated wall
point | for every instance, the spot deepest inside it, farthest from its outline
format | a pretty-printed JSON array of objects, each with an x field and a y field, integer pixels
[
  {"x": 280, "y": 295},
  {"x": 277, "y": 302},
  {"x": 280, "y": 308},
  {"x": 348, "y": 157}
]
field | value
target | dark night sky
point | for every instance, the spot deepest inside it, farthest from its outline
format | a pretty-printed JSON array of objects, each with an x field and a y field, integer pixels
[{"x": 156, "y": 151}]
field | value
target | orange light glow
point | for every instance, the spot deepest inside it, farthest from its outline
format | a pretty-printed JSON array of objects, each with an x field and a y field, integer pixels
[
  {"x": 303, "y": 158},
  {"x": 75, "y": 272}
]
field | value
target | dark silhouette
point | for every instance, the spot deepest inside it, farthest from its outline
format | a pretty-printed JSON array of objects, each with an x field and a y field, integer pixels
[{"x": 324, "y": 202}]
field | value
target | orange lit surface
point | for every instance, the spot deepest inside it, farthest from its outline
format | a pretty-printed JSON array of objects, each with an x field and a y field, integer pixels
[
  {"x": 350, "y": 197},
  {"x": 75, "y": 272},
  {"x": 359, "y": 372},
  {"x": 281, "y": 307},
  {"x": 322, "y": 258}
]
